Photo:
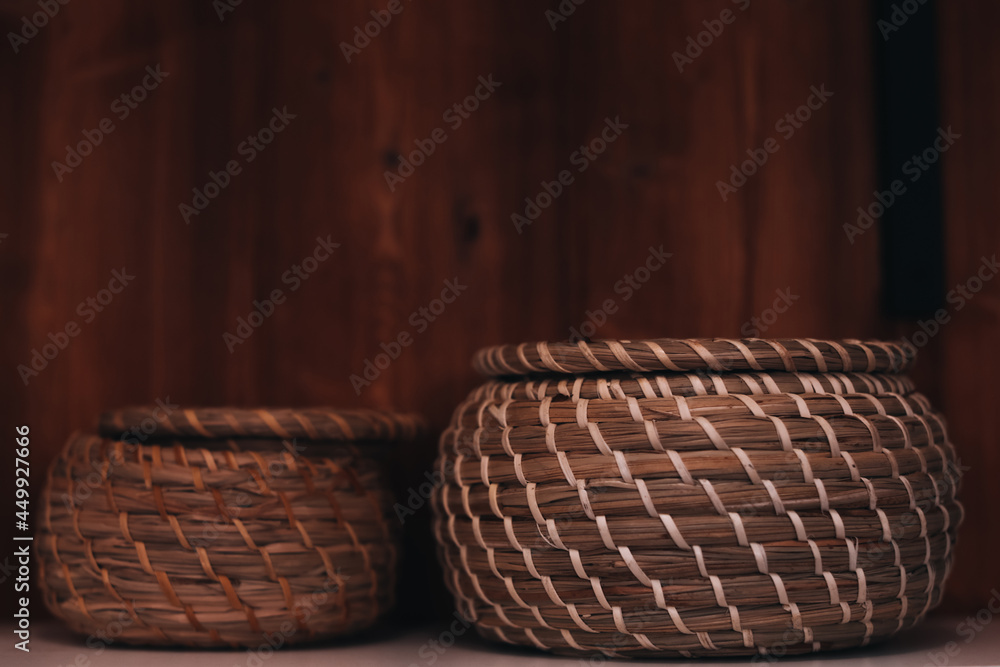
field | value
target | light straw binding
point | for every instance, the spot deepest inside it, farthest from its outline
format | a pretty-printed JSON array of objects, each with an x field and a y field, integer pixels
[
  {"x": 220, "y": 540},
  {"x": 696, "y": 497}
]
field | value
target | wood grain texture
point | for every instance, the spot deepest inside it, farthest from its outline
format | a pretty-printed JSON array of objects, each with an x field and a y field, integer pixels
[
  {"x": 970, "y": 75},
  {"x": 324, "y": 175}
]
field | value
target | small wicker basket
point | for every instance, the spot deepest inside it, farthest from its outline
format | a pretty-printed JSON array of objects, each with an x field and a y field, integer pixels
[
  {"x": 700, "y": 497},
  {"x": 216, "y": 527}
]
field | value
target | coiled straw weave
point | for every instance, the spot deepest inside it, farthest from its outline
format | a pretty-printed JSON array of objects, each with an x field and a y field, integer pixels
[
  {"x": 696, "y": 497},
  {"x": 221, "y": 527}
]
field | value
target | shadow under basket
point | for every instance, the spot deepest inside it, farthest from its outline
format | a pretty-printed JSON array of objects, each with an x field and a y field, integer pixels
[
  {"x": 700, "y": 497},
  {"x": 222, "y": 527}
]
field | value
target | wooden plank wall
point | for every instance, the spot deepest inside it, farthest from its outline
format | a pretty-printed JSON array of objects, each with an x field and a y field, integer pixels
[
  {"x": 969, "y": 355},
  {"x": 324, "y": 176}
]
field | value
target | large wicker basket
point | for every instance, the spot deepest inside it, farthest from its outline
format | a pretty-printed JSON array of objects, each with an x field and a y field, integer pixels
[
  {"x": 221, "y": 526},
  {"x": 696, "y": 497}
]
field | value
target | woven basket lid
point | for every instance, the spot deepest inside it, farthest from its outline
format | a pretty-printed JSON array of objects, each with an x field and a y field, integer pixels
[
  {"x": 695, "y": 354},
  {"x": 224, "y": 422}
]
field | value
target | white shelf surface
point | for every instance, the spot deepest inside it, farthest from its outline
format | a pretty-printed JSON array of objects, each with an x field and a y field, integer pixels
[{"x": 52, "y": 646}]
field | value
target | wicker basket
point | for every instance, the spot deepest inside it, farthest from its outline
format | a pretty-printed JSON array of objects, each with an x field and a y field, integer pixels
[
  {"x": 221, "y": 527},
  {"x": 696, "y": 497}
]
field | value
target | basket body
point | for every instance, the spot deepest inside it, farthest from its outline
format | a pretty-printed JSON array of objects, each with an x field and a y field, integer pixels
[
  {"x": 220, "y": 528},
  {"x": 696, "y": 497}
]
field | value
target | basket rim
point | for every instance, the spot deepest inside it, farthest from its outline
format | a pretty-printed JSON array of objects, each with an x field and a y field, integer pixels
[
  {"x": 308, "y": 423},
  {"x": 715, "y": 355}
]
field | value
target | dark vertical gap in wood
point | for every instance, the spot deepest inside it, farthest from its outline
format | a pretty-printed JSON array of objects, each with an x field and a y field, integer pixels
[{"x": 908, "y": 122}]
